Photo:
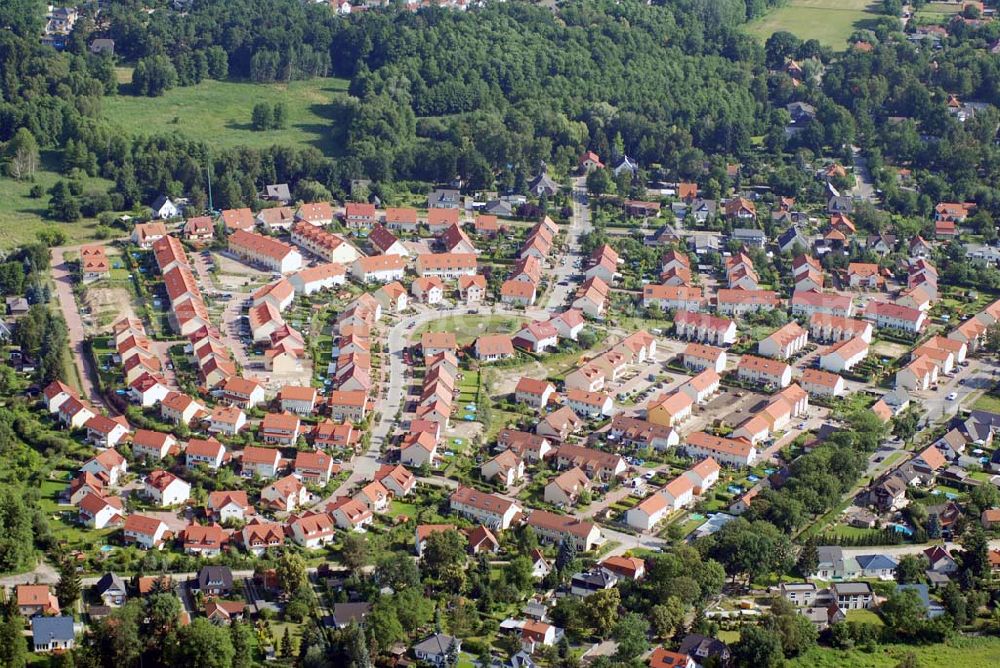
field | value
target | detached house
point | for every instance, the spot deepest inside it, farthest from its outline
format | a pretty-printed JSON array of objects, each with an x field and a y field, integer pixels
[
  {"x": 263, "y": 462},
  {"x": 209, "y": 452},
  {"x": 286, "y": 494},
  {"x": 165, "y": 489},
  {"x": 314, "y": 467},
  {"x": 493, "y": 347},
  {"x": 146, "y": 532},
  {"x": 108, "y": 466},
  {"x": 534, "y": 393},
  {"x": 105, "y": 432},
  {"x": 280, "y": 428}
]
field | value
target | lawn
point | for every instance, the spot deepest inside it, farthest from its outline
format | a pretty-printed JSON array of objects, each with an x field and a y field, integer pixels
[
  {"x": 829, "y": 21},
  {"x": 467, "y": 328},
  {"x": 864, "y": 617},
  {"x": 958, "y": 652},
  {"x": 219, "y": 112},
  {"x": 21, "y": 217},
  {"x": 987, "y": 402}
]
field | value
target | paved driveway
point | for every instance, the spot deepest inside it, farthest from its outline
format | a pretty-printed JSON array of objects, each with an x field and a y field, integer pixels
[{"x": 63, "y": 280}]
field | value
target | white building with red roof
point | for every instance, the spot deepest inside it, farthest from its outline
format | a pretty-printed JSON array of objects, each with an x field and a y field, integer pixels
[
  {"x": 262, "y": 462},
  {"x": 209, "y": 452},
  {"x": 702, "y": 387},
  {"x": 396, "y": 479},
  {"x": 265, "y": 251},
  {"x": 259, "y": 535},
  {"x": 760, "y": 370},
  {"x": 920, "y": 374},
  {"x": 844, "y": 356},
  {"x": 74, "y": 412},
  {"x": 180, "y": 408},
  {"x": 107, "y": 432},
  {"x": 165, "y": 489},
  {"x": 385, "y": 242},
  {"x": 278, "y": 294},
  {"x": 312, "y": 530},
  {"x": 698, "y": 356},
  {"x": 55, "y": 393},
  {"x": 704, "y": 328},
  {"x": 231, "y": 505},
  {"x": 148, "y": 390},
  {"x": 108, "y": 466},
  {"x": 146, "y": 532},
  {"x": 824, "y": 327},
  {"x": 314, "y": 466},
  {"x": 506, "y": 468},
  {"x": 894, "y": 316},
  {"x": 492, "y": 511},
  {"x": 427, "y": 289},
  {"x": 726, "y": 451},
  {"x": 98, "y": 512},
  {"x": 204, "y": 540},
  {"x": 568, "y": 324},
  {"x": 378, "y": 269},
  {"x": 243, "y": 392},
  {"x": 673, "y": 297},
  {"x": 589, "y": 404},
  {"x": 227, "y": 420},
  {"x": 152, "y": 445},
  {"x": 648, "y": 513},
  {"x": 359, "y": 215},
  {"x": 785, "y": 342},
  {"x": 317, "y": 214},
  {"x": 811, "y": 302},
  {"x": 534, "y": 393},
  {"x": 375, "y": 496},
  {"x": 321, "y": 277},
  {"x": 741, "y": 302},
  {"x": 286, "y": 494},
  {"x": 280, "y": 428},
  {"x": 418, "y": 450},
  {"x": 350, "y": 514},
  {"x": 822, "y": 383},
  {"x": 554, "y": 529},
  {"x": 520, "y": 293},
  {"x": 537, "y": 336}
]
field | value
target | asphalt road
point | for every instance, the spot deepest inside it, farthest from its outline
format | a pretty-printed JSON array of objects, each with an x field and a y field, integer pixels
[
  {"x": 62, "y": 277},
  {"x": 564, "y": 269}
]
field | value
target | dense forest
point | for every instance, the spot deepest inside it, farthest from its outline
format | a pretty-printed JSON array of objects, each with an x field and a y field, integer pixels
[{"x": 488, "y": 94}]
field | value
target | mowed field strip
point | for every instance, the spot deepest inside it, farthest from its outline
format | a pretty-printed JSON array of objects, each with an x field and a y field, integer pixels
[
  {"x": 219, "y": 112},
  {"x": 829, "y": 21}
]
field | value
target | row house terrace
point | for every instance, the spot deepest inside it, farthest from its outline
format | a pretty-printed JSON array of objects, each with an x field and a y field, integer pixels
[
  {"x": 265, "y": 251},
  {"x": 327, "y": 245},
  {"x": 704, "y": 328},
  {"x": 824, "y": 327}
]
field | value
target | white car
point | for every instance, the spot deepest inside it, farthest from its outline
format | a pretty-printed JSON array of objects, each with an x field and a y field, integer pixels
[{"x": 952, "y": 396}]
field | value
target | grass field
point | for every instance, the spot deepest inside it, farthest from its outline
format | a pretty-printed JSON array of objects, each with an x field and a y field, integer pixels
[
  {"x": 21, "y": 217},
  {"x": 958, "y": 652},
  {"x": 988, "y": 402},
  {"x": 469, "y": 327},
  {"x": 219, "y": 112},
  {"x": 829, "y": 21}
]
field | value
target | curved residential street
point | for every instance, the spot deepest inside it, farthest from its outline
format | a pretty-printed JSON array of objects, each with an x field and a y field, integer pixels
[{"x": 365, "y": 465}]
